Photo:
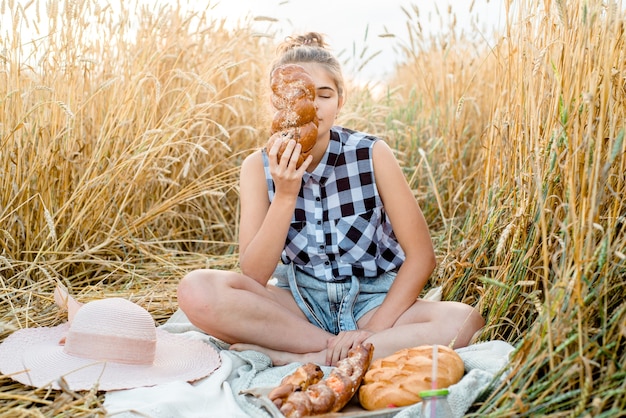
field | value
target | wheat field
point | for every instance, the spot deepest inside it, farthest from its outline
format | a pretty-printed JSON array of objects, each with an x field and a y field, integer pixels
[{"x": 120, "y": 150}]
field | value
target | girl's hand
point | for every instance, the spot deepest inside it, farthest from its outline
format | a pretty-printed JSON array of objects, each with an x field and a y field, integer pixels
[
  {"x": 337, "y": 347},
  {"x": 287, "y": 178}
]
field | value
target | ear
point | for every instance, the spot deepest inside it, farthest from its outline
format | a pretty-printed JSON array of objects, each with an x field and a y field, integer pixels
[{"x": 340, "y": 103}]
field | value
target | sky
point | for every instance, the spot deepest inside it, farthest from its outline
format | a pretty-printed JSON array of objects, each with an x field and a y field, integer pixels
[
  {"x": 354, "y": 29},
  {"x": 352, "y": 25}
]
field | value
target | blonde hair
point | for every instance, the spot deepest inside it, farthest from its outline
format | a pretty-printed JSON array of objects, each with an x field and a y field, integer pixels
[{"x": 310, "y": 47}]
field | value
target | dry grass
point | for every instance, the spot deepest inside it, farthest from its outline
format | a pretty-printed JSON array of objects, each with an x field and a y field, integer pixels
[
  {"x": 525, "y": 136},
  {"x": 119, "y": 157}
]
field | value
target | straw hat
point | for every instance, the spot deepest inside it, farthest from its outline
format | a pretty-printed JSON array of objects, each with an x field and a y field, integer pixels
[{"x": 107, "y": 344}]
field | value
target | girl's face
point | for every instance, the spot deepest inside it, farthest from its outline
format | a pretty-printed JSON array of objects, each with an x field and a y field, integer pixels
[{"x": 327, "y": 100}]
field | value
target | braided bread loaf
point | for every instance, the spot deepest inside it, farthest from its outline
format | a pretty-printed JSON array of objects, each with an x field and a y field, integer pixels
[
  {"x": 293, "y": 95},
  {"x": 304, "y": 393},
  {"x": 397, "y": 380}
]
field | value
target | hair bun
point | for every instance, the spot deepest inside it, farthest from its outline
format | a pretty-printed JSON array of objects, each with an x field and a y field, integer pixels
[{"x": 310, "y": 39}]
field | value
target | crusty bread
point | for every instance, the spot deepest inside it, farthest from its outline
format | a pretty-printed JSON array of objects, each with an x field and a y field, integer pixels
[
  {"x": 396, "y": 380},
  {"x": 304, "y": 394},
  {"x": 293, "y": 96}
]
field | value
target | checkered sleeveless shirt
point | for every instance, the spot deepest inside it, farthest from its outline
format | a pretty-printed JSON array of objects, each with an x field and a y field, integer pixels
[{"x": 339, "y": 228}]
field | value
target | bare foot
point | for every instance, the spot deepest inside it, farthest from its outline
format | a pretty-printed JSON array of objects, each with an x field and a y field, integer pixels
[{"x": 280, "y": 358}]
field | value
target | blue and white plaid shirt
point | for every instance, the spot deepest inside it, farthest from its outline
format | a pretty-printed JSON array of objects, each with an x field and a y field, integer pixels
[{"x": 340, "y": 228}]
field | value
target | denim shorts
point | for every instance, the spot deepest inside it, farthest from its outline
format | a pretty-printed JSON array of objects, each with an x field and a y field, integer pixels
[{"x": 334, "y": 306}]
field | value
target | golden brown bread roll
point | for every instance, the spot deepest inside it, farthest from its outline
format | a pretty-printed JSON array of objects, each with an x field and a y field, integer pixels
[
  {"x": 295, "y": 400},
  {"x": 299, "y": 113},
  {"x": 293, "y": 95},
  {"x": 397, "y": 380},
  {"x": 289, "y": 83},
  {"x": 304, "y": 376}
]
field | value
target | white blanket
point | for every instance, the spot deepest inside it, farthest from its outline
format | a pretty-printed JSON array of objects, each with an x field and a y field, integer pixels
[{"x": 218, "y": 395}]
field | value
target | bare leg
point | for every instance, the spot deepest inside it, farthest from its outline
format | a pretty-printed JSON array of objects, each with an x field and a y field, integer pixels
[
  {"x": 451, "y": 324},
  {"x": 426, "y": 322},
  {"x": 235, "y": 308}
]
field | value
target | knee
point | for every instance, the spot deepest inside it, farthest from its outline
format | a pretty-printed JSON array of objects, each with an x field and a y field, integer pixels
[
  {"x": 469, "y": 316},
  {"x": 470, "y": 323},
  {"x": 475, "y": 318},
  {"x": 194, "y": 290}
]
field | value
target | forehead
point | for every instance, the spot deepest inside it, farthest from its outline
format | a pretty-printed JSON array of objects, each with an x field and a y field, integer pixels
[{"x": 320, "y": 75}]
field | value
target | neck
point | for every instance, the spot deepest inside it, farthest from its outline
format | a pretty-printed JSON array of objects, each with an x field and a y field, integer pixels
[{"x": 318, "y": 151}]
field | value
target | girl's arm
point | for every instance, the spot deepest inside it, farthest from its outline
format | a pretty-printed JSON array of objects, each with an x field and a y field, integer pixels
[
  {"x": 412, "y": 233},
  {"x": 263, "y": 226}
]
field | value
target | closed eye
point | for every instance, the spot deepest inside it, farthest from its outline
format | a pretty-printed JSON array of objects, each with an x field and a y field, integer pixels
[{"x": 325, "y": 92}]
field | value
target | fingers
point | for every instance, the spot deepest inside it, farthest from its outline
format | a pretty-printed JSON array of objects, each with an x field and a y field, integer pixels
[
  {"x": 273, "y": 147},
  {"x": 305, "y": 164},
  {"x": 282, "y": 150},
  {"x": 338, "y": 347},
  {"x": 292, "y": 150},
  {"x": 341, "y": 348},
  {"x": 337, "y": 352}
]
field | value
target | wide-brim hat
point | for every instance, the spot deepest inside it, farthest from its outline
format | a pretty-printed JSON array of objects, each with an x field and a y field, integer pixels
[{"x": 109, "y": 344}]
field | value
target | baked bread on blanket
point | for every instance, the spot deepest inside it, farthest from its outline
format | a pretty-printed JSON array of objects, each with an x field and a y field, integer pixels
[
  {"x": 304, "y": 393},
  {"x": 397, "y": 380},
  {"x": 293, "y": 95}
]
